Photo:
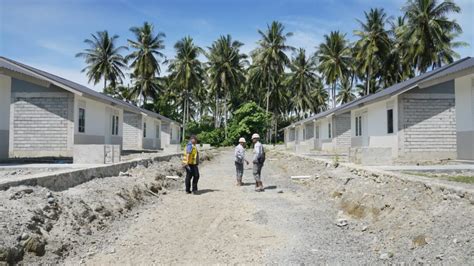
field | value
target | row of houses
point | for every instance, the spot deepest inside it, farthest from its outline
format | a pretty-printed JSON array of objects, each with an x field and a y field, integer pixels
[
  {"x": 43, "y": 115},
  {"x": 428, "y": 117}
]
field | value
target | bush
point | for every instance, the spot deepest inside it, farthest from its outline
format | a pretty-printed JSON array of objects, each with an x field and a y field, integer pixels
[
  {"x": 247, "y": 120},
  {"x": 214, "y": 137}
]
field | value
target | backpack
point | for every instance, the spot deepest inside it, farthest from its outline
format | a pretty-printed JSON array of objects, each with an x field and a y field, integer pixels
[{"x": 261, "y": 160}]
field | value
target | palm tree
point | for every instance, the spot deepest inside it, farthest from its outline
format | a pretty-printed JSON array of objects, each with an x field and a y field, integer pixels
[
  {"x": 270, "y": 60},
  {"x": 345, "y": 93},
  {"x": 187, "y": 74},
  {"x": 301, "y": 81},
  {"x": 120, "y": 92},
  {"x": 144, "y": 61},
  {"x": 320, "y": 97},
  {"x": 103, "y": 59},
  {"x": 373, "y": 44},
  {"x": 226, "y": 68},
  {"x": 430, "y": 32},
  {"x": 334, "y": 56},
  {"x": 397, "y": 66}
]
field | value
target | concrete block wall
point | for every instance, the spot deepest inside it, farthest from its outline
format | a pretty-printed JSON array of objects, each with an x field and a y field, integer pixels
[
  {"x": 342, "y": 132},
  {"x": 132, "y": 131},
  {"x": 428, "y": 124},
  {"x": 41, "y": 124}
]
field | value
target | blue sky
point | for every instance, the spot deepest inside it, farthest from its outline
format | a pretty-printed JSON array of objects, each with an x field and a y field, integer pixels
[{"x": 48, "y": 33}]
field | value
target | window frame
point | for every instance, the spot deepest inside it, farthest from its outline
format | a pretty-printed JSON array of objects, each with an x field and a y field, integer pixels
[
  {"x": 144, "y": 129},
  {"x": 390, "y": 124},
  {"x": 329, "y": 130},
  {"x": 81, "y": 126},
  {"x": 358, "y": 125}
]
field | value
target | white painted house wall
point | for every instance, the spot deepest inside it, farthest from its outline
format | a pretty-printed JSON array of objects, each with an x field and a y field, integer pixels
[
  {"x": 5, "y": 99},
  {"x": 305, "y": 137},
  {"x": 324, "y": 142},
  {"x": 98, "y": 122},
  {"x": 374, "y": 126},
  {"x": 464, "y": 93},
  {"x": 152, "y": 140},
  {"x": 290, "y": 137}
]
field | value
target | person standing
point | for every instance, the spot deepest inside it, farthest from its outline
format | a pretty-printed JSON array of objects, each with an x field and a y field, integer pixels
[
  {"x": 239, "y": 160},
  {"x": 191, "y": 161},
  {"x": 258, "y": 161}
]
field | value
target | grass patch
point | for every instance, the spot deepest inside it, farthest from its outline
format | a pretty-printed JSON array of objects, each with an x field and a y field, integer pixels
[{"x": 455, "y": 178}]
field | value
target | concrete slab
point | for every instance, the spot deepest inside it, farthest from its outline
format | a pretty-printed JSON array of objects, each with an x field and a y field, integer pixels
[
  {"x": 63, "y": 178},
  {"x": 426, "y": 168}
]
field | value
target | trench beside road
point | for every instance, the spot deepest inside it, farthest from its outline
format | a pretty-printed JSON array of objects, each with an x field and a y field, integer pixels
[{"x": 289, "y": 223}]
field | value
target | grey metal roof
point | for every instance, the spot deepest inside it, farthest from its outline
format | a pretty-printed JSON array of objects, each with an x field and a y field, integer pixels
[
  {"x": 464, "y": 65},
  {"x": 325, "y": 113},
  {"x": 45, "y": 76},
  {"x": 396, "y": 88},
  {"x": 402, "y": 86}
]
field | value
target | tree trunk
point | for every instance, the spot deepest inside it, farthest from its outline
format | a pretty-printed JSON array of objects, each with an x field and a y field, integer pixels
[
  {"x": 334, "y": 95},
  {"x": 216, "y": 112},
  {"x": 276, "y": 130},
  {"x": 105, "y": 84},
  {"x": 225, "y": 114},
  {"x": 184, "y": 117},
  {"x": 368, "y": 82}
]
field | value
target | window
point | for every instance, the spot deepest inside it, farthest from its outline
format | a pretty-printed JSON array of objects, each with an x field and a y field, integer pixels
[
  {"x": 390, "y": 121},
  {"x": 82, "y": 120},
  {"x": 329, "y": 131},
  {"x": 358, "y": 126},
  {"x": 115, "y": 125},
  {"x": 144, "y": 129},
  {"x": 157, "y": 131}
]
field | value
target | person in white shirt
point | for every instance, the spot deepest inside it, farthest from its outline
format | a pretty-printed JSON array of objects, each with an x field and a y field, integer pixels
[
  {"x": 239, "y": 160},
  {"x": 258, "y": 161}
]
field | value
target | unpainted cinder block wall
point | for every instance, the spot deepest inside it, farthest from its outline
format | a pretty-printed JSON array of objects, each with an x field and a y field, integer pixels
[{"x": 428, "y": 123}]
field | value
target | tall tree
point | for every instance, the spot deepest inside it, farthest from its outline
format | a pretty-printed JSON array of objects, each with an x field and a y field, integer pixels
[
  {"x": 103, "y": 59},
  {"x": 145, "y": 61},
  {"x": 320, "y": 97},
  {"x": 302, "y": 79},
  {"x": 334, "y": 56},
  {"x": 226, "y": 68},
  {"x": 187, "y": 74},
  {"x": 345, "y": 93},
  {"x": 270, "y": 60},
  {"x": 430, "y": 32},
  {"x": 373, "y": 45}
]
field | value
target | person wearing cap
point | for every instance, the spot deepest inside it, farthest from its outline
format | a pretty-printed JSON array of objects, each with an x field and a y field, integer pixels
[
  {"x": 191, "y": 161},
  {"x": 258, "y": 160},
  {"x": 239, "y": 160}
]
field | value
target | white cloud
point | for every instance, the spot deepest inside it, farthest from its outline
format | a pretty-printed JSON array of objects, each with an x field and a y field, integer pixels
[
  {"x": 306, "y": 40},
  {"x": 59, "y": 47}
]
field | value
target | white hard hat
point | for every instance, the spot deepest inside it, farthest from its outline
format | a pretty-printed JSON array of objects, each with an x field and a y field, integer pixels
[
  {"x": 241, "y": 140},
  {"x": 255, "y": 136}
]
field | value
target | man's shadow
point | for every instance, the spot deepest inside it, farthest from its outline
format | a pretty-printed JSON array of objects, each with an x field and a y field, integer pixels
[
  {"x": 253, "y": 184},
  {"x": 204, "y": 191}
]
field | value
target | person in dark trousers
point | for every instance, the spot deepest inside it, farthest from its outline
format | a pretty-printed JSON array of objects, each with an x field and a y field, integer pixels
[{"x": 191, "y": 161}]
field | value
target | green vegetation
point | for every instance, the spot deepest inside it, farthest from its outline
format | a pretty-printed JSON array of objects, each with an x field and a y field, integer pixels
[
  {"x": 289, "y": 84},
  {"x": 454, "y": 178}
]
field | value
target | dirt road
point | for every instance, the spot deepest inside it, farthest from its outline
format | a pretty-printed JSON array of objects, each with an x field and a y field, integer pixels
[{"x": 289, "y": 223}]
